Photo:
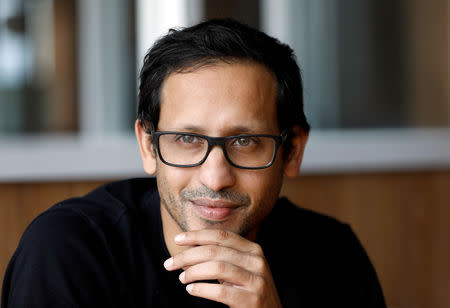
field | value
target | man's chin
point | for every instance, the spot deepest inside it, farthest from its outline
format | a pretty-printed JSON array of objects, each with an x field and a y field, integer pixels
[
  {"x": 201, "y": 224},
  {"x": 240, "y": 230}
]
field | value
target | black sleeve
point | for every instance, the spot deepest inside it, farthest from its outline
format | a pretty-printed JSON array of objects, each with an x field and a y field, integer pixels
[
  {"x": 364, "y": 289},
  {"x": 61, "y": 261}
]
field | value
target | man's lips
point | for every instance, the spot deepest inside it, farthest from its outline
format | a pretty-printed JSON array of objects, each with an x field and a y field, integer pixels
[
  {"x": 216, "y": 210},
  {"x": 214, "y": 203}
]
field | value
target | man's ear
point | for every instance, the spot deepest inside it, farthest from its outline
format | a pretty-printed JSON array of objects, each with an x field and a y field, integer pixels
[
  {"x": 146, "y": 148},
  {"x": 295, "y": 157}
]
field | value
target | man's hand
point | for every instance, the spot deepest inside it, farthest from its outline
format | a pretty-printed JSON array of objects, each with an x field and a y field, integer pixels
[{"x": 237, "y": 263}]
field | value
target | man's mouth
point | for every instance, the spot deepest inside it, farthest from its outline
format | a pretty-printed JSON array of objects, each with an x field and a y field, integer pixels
[{"x": 215, "y": 210}]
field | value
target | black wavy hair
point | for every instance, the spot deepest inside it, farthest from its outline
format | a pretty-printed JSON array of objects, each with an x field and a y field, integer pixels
[{"x": 221, "y": 40}]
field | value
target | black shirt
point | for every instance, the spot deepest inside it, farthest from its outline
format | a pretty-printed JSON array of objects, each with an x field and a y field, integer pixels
[{"x": 106, "y": 249}]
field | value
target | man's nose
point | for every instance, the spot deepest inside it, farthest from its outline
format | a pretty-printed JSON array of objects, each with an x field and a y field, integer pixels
[{"x": 216, "y": 172}]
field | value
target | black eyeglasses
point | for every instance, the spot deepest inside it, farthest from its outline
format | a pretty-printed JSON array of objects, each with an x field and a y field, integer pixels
[{"x": 250, "y": 151}]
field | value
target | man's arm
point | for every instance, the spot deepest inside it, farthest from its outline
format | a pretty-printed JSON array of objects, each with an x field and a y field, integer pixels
[
  {"x": 364, "y": 289},
  {"x": 60, "y": 262}
]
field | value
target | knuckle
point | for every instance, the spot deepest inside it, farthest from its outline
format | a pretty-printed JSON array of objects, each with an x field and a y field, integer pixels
[
  {"x": 211, "y": 251},
  {"x": 259, "y": 284},
  {"x": 220, "y": 267},
  {"x": 257, "y": 250},
  {"x": 222, "y": 293},
  {"x": 222, "y": 235},
  {"x": 259, "y": 264}
]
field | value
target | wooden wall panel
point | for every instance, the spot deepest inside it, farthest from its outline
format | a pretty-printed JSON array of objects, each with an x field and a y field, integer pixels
[{"x": 403, "y": 221}]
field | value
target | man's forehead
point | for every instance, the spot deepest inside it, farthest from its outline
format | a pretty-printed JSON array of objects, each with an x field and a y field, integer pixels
[
  {"x": 238, "y": 97},
  {"x": 214, "y": 65},
  {"x": 252, "y": 74}
]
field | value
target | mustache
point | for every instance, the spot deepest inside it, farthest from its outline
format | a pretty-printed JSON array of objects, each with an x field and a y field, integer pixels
[{"x": 205, "y": 192}]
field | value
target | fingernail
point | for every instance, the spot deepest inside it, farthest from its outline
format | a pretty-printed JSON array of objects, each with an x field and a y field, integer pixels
[
  {"x": 168, "y": 263},
  {"x": 181, "y": 277},
  {"x": 189, "y": 288},
  {"x": 180, "y": 237}
]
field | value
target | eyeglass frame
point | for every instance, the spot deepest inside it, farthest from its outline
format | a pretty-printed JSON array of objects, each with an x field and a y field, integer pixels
[{"x": 217, "y": 141}]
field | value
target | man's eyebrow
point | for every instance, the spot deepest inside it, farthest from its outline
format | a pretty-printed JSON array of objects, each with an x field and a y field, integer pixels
[
  {"x": 231, "y": 130},
  {"x": 257, "y": 129},
  {"x": 242, "y": 130},
  {"x": 189, "y": 129}
]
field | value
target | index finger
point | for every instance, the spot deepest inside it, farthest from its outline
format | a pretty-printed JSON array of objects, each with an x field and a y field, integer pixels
[{"x": 218, "y": 237}]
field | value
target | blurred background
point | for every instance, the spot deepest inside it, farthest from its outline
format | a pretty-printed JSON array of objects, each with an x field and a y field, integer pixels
[{"x": 376, "y": 76}]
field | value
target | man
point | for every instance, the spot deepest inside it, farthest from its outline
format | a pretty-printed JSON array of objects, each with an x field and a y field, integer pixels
[{"x": 220, "y": 122}]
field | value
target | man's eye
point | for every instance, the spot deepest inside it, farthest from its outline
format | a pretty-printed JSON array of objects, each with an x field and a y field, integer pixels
[
  {"x": 243, "y": 142},
  {"x": 187, "y": 139}
]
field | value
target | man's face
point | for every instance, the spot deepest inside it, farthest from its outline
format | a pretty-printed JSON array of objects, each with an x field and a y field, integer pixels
[{"x": 219, "y": 100}]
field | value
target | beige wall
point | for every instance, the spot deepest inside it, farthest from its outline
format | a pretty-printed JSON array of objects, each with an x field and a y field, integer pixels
[{"x": 402, "y": 219}]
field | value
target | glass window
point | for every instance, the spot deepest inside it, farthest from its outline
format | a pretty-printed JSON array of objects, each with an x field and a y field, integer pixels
[
  {"x": 376, "y": 79},
  {"x": 46, "y": 62},
  {"x": 68, "y": 65},
  {"x": 38, "y": 88},
  {"x": 365, "y": 63},
  {"x": 369, "y": 63}
]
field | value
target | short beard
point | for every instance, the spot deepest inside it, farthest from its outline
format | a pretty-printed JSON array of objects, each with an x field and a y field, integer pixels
[
  {"x": 182, "y": 223},
  {"x": 176, "y": 208}
]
